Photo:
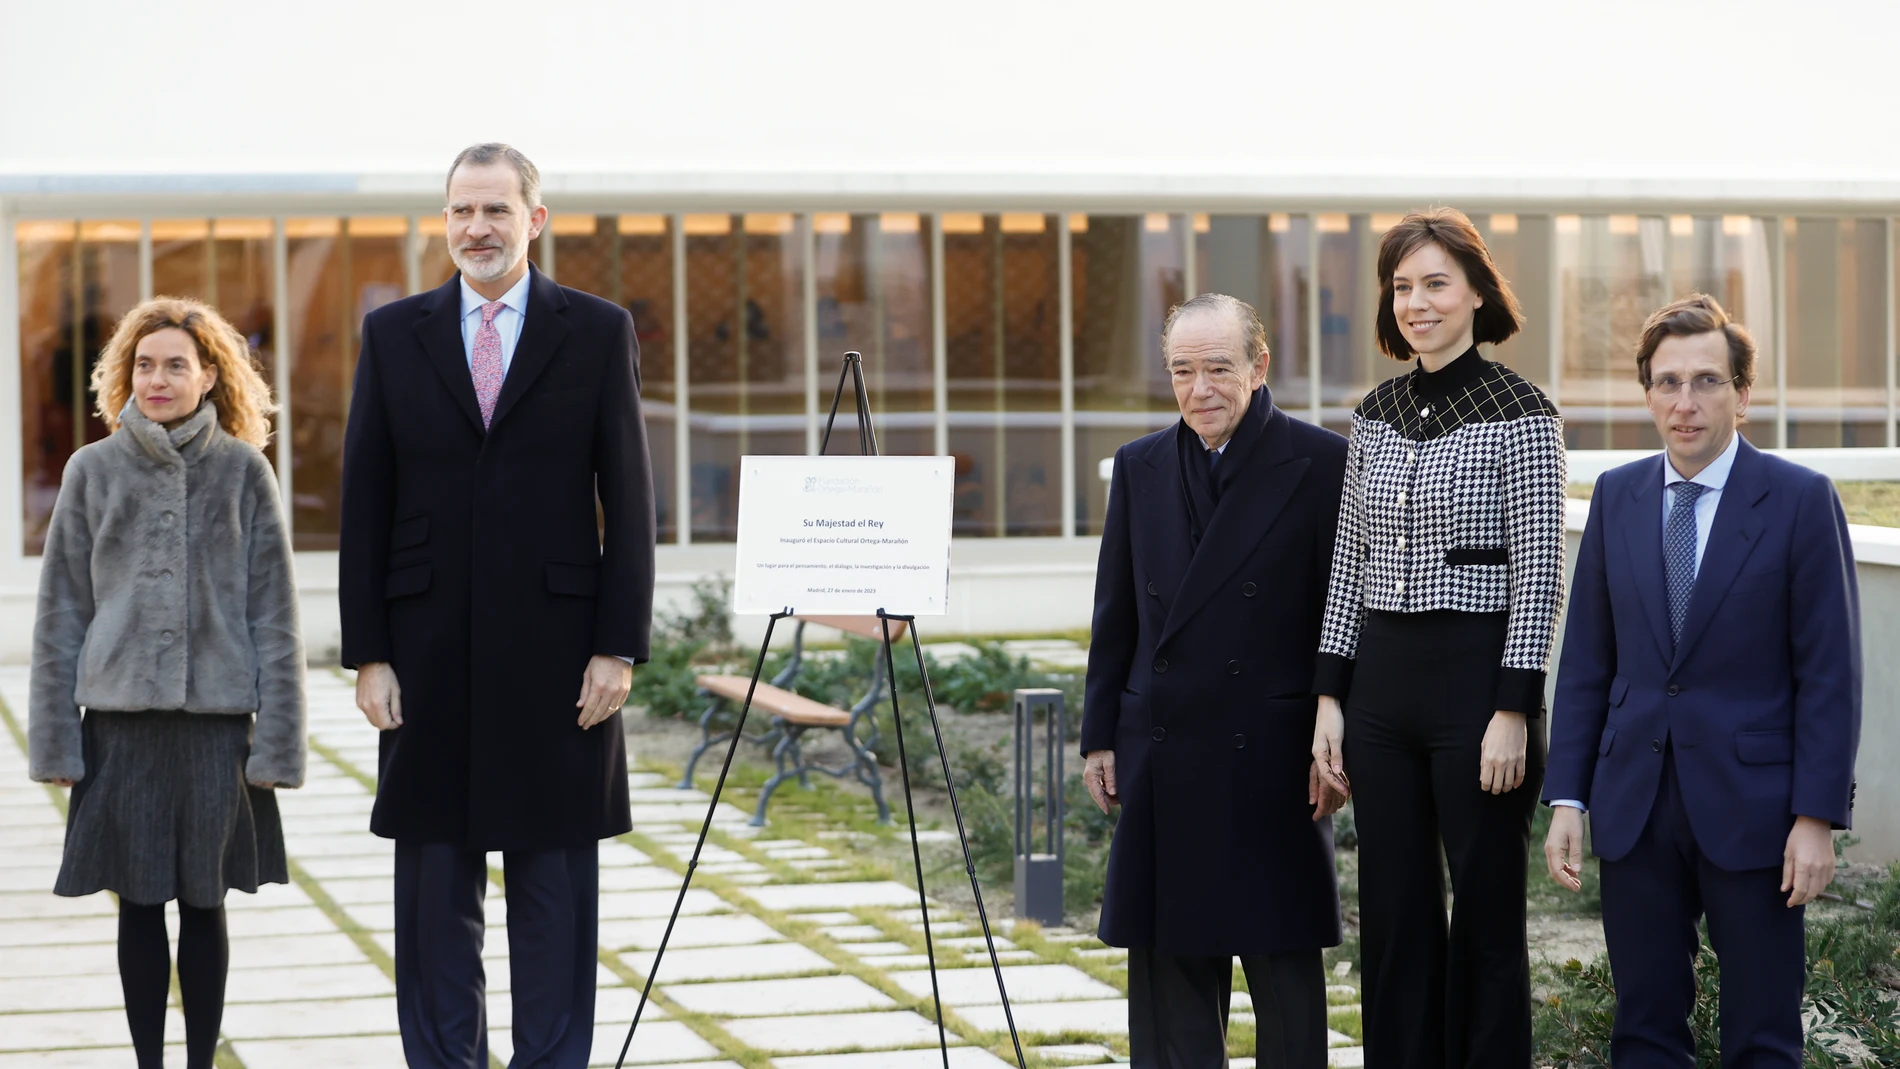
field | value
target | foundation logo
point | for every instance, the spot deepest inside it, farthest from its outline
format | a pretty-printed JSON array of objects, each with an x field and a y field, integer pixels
[{"x": 838, "y": 484}]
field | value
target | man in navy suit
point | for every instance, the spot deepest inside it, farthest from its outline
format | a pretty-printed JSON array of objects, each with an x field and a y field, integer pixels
[{"x": 1707, "y": 708}]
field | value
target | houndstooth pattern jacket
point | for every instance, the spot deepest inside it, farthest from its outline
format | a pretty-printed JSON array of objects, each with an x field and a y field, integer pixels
[{"x": 1454, "y": 499}]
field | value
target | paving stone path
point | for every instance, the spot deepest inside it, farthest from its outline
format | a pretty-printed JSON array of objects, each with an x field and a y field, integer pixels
[{"x": 785, "y": 955}]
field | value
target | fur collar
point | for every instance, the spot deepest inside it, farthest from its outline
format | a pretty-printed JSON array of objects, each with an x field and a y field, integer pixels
[{"x": 187, "y": 442}]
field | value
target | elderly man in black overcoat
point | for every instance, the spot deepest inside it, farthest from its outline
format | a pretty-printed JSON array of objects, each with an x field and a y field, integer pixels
[
  {"x": 1199, "y": 708},
  {"x": 496, "y": 590}
]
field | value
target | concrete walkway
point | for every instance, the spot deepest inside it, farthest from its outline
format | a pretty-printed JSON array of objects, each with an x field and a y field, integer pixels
[{"x": 786, "y": 955}]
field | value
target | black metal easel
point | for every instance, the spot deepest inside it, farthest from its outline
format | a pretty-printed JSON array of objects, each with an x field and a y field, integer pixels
[{"x": 853, "y": 371}]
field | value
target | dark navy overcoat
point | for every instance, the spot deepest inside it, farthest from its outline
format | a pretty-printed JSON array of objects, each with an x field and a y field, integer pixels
[{"x": 1200, "y": 679}]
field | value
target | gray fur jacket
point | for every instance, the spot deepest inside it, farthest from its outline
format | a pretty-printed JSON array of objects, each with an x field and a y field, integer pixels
[{"x": 167, "y": 584}]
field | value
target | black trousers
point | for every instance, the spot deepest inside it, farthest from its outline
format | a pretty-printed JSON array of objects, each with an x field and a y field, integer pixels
[
  {"x": 1177, "y": 1009},
  {"x": 1653, "y": 898},
  {"x": 553, "y": 927},
  {"x": 1438, "y": 997}
]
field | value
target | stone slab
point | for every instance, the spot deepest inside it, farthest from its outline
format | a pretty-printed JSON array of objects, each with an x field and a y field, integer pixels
[
  {"x": 361, "y": 890},
  {"x": 254, "y": 923},
  {"x": 81, "y": 1028},
  {"x": 1026, "y": 983},
  {"x": 639, "y": 878},
  {"x": 287, "y": 950},
  {"x": 1101, "y": 1016},
  {"x": 99, "y": 991},
  {"x": 928, "y": 1058},
  {"x": 308, "y": 982},
  {"x": 95, "y": 1058},
  {"x": 268, "y": 896},
  {"x": 796, "y": 897},
  {"x": 872, "y": 950},
  {"x": 360, "y": 865},
  {"x": 837, "y": 1032},
  {"x": 311, "y": 1017},
  {"x": 662, "y": 1041},
  {"x": 728, "y": 929},
  {"x": 85, "y": 959},
  {"x": 772, "y": 998},
  {"x": 1346, "y": 1057},
  {"x": 853, "y": 933},
  {"x": 729, "y": 963},
  {"x": 55, "y": 931},
  {"x": 639, "y": 905},
  {"x": 352, "y": 1052},
  {"x": 1084, "y": 1054}
]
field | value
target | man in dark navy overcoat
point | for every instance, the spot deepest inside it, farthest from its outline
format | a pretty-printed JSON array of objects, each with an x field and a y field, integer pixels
[{"x": 1199, "y": 710}]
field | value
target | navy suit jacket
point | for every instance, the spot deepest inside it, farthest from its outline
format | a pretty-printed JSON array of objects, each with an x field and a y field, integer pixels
[{"x": 1761, "y": 697}]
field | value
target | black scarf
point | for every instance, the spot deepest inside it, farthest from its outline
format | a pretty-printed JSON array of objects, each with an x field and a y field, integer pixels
[{"x": 1200, "y": 491}]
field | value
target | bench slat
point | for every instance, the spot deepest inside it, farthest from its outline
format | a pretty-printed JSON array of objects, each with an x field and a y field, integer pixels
[{"x": 795, "y": 708}]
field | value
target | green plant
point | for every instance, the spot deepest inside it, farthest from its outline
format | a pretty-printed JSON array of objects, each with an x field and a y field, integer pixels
[
  {"x": 667, "y": 684},
  {"x": 705, "y": 621}
]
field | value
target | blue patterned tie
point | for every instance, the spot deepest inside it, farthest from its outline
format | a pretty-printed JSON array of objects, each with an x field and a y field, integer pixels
[{"x": 1679, "y": 554}]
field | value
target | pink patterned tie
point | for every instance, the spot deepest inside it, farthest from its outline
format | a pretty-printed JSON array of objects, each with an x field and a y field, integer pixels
[{"x": 485, "y": 365}]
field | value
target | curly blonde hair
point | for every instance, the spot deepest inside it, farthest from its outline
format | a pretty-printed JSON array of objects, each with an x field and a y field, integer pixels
[{"x": 241, "y": 395}]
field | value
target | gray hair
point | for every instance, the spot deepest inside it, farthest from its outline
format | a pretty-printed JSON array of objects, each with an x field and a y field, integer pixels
[
  {"x": 1253, "y": 334},
  {"x": 496, "y": 152}
]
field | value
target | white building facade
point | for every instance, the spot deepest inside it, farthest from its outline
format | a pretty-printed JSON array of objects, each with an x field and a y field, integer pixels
[{"x": 995, "y": 203}]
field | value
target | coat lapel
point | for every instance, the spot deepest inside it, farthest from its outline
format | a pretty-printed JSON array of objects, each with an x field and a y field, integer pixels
[
  {"x": 1248, "y": 506},
  {"x": 1161, "y": 526},
  {"x": 1643, "y": 544},
  {"x": 541, "y": 334},
  {"x": 440, "y": 331},
  {"x": 1732, "y": 537}
]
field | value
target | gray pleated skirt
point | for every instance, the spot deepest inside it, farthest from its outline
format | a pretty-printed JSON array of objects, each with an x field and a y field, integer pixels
[{"x": 165, "y": 813}]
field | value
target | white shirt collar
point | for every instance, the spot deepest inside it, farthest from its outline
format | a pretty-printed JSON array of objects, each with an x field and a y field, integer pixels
[
  {"x": 516, "y": 297},
  {"x": 1715, "y": 476}
]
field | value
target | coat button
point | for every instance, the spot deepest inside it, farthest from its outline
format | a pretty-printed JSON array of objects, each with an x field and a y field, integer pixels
[
  {"x": 1161, "y": 665},
  {"x": 165, "y": 576},
  {"x": 1656, "y": 745},
  {"x": 1160, "y": 734},
  {"x": 1248, "y": 590},
  {"x": 1674, "y": 690},
  {"x": 166, "y": 520},
  {"x": 1233, "y": 668},
  {"x": 166, "y": 637},
  {"x": 1240, "y": 742},
  {"x": 1155, "y": 590}
]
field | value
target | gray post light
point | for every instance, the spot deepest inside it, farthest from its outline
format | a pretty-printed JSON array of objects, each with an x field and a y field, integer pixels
[{"x": 1039, "y": 875}]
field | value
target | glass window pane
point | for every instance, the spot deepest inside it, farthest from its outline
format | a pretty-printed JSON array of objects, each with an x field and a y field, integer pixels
[
  {"x": 1350, "y": 361},
  {"x": 225, "y": 263},
  {"x": 1837, "y": 331},
  {"x": 1002, "y": 315},
  {"x": 744, "y": 286},
  {"x": 1520, "y": 246},
  {"x": 1127, "y": 274},
  {"x": 1727, "y": 257},
  {"x": 338, "y": 271},
  {"x": 872, "y": 278},
  {"x": 1612, "y": 275},
  {"x": 435, "y": 266},
  {"x": 75, "y": 283}
]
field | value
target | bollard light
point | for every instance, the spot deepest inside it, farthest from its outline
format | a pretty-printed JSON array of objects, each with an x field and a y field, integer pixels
[{"x": 1039, "y": 873}]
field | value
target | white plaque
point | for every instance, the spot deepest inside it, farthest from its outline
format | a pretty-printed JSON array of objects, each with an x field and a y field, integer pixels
[{"x": 844, "y": 535}]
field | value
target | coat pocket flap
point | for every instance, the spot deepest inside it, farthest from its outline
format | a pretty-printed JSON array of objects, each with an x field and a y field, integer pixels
[
  {"x": 576, "y": 580},
  {"x": 402, "y": 582},
  {"x": 1619, "y": 689},
  {"x": 410, "y": 532},
  {"x": 1764, "y": 747},
  {"x": 1457, "y": 558},
  {"x": 1609, "y": 736}
]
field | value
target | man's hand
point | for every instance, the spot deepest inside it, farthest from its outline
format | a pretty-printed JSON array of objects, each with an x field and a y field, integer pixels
[
  {"x": 1501, "y": 758},
  {"x": 1329, "y": 747},
  {"x": 604, "y": 688},
  {"x": 1807, "y": 867},
  {"x": 1320, "y": 794},
  {"x": 379, "y": 695},
  {"x": 1099, "y": 776},
  {"x": 1563, "y": 847}
]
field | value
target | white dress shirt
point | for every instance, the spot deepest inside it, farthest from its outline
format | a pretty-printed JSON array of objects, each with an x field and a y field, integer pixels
[
  {"x": 508, "y": 321},
  {"x": 1713, "y": 478}
]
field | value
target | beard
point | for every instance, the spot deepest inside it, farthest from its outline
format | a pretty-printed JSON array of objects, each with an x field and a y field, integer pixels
[{"x": 493, "y": 267}]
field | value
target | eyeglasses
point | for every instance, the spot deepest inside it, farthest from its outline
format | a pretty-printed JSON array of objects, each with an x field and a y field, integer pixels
[{"x": 1701, "y": 385}]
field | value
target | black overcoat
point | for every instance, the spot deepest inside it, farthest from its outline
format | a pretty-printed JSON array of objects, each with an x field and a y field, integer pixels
[
  {"x": 1200, "y": 679},
  {"x": 475, "y": 563}
]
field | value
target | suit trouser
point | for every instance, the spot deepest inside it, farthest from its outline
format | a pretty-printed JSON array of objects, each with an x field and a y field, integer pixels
[
  {"x": 1177, "y": 1009},
  {"x": 553, "y": 920},
  {"x": 1423, "y": 695},
  {"x": 1652, "y": 898}
]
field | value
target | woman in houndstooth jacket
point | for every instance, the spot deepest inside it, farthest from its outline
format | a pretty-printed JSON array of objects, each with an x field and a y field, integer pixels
[{"x": 1443, "y": 604}]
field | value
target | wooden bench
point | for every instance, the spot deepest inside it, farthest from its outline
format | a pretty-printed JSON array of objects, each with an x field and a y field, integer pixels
[{"x": 790, "y": 715}]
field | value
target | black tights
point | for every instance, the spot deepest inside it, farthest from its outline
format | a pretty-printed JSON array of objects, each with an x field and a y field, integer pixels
[{"x": 145, "y": 971}]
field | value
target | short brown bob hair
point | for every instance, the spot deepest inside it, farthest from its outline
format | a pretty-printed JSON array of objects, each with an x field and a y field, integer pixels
[
  {"x": 240, "y": 395},
  {"x": 1695, "y": 314},
  {"x": 1497, "y": 319}
]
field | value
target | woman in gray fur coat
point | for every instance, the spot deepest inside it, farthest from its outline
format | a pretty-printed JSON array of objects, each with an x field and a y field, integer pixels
[{"x": 168, "y": 612}]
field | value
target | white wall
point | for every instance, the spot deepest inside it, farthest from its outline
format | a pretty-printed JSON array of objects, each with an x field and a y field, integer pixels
[{"x": 847, "y": 98}]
